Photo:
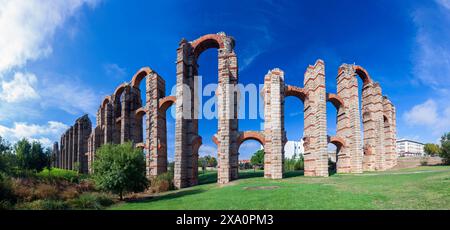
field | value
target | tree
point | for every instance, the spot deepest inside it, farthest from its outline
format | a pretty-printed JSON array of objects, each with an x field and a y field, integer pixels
[
  {"x": 212, "y": 161},
  {"x": 120, "y": 169},
  {"x": 258, "y": 158},
  {"x": 202, "y": 163},
  {"x": 7, "y": 158},
  {"x": 32, "y": 156},
  {"x": 432, "y": 149},
  {"x": 445, "y": 148}
]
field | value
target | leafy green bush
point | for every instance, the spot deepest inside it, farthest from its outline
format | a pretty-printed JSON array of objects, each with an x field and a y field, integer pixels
[
  {"x": 6, "y": 191},
  {"x": 120, "y": 169},
  {"x": 91, "y": 201},
  {"x": 293, "y": 164},
  {"x": 6, "y": 205}
]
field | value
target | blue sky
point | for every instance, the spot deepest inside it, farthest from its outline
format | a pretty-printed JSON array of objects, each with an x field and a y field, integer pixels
[{"x": 58, "y": 59}]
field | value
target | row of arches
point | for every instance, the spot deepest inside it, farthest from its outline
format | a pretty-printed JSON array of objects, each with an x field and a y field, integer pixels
[{"x": 122, "y": 116}]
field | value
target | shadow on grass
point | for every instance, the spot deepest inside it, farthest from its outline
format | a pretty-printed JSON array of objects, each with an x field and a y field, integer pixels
[
  {"x": 168, "y": 196},
  {"x": 211, "y": 176},
  {"x": 293, "y": 174}
]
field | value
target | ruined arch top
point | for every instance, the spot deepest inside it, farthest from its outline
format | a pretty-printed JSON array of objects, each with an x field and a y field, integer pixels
[
  {"x": 337, "y": 141},
  {"x": 140, "y": 75},
  {"x": 251, "y": 135},
  {"x": 166, "y": 102},
  {"x": 106, "y": 101},
  {"x": 119, "y": 90},
  {"x": 297, "y": 92},
  {"x": 335, "y": 100},
  {"x": 218, "y": 41},
  {"x": 363, "y": 74}
]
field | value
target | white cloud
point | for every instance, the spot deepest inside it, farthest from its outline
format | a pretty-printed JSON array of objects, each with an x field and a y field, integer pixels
[
  {"x": 114, "y": 70},
  {"x": 431, "y": 56},
  {"x": 27, "y": 26},
  {"x": 422, "y": 114},
  {"x": 43, "y": 133},
  {"x": 20, "y": 88},
  {"x": 444, "y": 3},
  {"x": 70, "y": 95},
  {"x": 431, "y": 115}
]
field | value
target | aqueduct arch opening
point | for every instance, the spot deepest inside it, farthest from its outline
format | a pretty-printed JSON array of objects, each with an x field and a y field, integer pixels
[{"x": 186, "y": 172}]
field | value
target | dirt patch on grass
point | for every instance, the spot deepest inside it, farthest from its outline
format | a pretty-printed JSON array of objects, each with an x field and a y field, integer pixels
[{"x": 261, "y": 188}]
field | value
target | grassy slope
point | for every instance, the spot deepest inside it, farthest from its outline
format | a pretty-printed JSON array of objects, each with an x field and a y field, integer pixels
[{"x": 418, "y": 188}]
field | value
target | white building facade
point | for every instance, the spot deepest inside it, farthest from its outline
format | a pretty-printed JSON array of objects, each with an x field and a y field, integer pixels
[
  {"x": 293, "y": 148},
  {"x": 409, "y": 148}
]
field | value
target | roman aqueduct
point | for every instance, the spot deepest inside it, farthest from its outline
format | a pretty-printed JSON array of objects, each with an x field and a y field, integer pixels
[{"x": 120, "y": 118}]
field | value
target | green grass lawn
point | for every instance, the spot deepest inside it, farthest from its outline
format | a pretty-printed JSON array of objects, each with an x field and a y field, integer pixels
[{"x": 425, "y": 187}]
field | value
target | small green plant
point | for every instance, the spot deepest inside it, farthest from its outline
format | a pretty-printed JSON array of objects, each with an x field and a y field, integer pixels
[
  {"x": 424, "y": 161},
  {"x": 94, "y": 201},
  {"x": 162, "y": 183},
  {"x": 43, "y": 205}
]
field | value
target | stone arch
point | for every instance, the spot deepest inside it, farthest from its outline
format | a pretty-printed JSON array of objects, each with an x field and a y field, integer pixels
[
  {"x": 166, "y": 102},
  {"x": 119, "y": 90},
  {"x": 337, "y": 141},
  {"x": 297, "y": 92},
  {"x": 251, "y": 135},
  {"x": 106, "y": 101},
  {"x": 140, "y": 75},
  {"x": 207, "y": 42},
  {"x": 363, "y": 74},
  {"x": 336, "y": 100},
  {"x": 343, "y": 159},
  {"x": 140, "y": 112}
]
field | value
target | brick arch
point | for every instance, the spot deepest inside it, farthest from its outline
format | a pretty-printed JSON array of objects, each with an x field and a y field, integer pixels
[
  {"x": 105, "y": 101},
  {"x": 337, "y": 141},
  {"x": 297, "y": 92},
  {"x": 119, "y": 90},
  {"x": 196, "y": 142},
  {"x": 166, "y": 102},
  {"x": 251, "y": 135},
  {"x": 140, "y": 75},
  {"x": 363, "y": 74},
  {"x": 335, "y": 100},
  {"x": 140, "y": 112},
  {"x": 207, "y": 42}
]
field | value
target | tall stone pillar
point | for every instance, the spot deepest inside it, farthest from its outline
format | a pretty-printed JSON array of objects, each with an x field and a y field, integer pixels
[
  {"x": 108, "y": 122},
  {"x": 315, "y": 138},
  {"x": 394, "y": 156},
  {"x": 183, "y": 113},
  {"x": 227, "y": 106},
  {"x": 389, "y": 135},
  {"x": 125, "y": 118},
  {"x": 274, "y": 124},
  {"x": 75, "y": 160},
  {"x": 70, "y": 149},
  {"x": 157, "y": 159},
  {"x": 61, "y": 152},
  {"x": 373, "y": 122},
  {"x": 84, "y": 127},
  {"x": 348, "y": 121},
  {"x": 67, "y": 148}
]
